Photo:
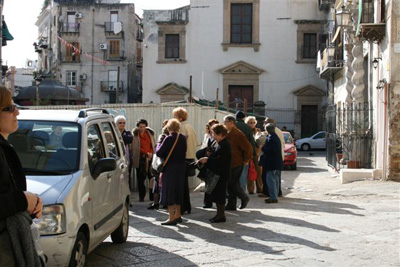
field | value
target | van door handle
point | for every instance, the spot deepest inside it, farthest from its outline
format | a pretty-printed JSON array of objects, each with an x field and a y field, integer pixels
[
  {"x": 109, "y": 176},
  {"x": 122, "y": 166}
]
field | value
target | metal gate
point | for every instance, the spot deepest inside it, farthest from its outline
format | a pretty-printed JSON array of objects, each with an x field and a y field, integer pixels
[{"x": 349, "y": 136}]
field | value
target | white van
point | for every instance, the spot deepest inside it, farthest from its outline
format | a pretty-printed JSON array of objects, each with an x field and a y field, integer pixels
[{"x": 75, "y": 161}]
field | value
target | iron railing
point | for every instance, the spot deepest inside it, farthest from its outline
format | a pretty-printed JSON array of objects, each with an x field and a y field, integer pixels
[
  {"x": 111, "y": 86},
  {"x": 349, "y": 130},
  {"x": 70, "y": 27}
]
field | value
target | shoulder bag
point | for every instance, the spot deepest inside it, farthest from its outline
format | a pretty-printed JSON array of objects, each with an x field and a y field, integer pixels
[{"x": 161, "y": 166}]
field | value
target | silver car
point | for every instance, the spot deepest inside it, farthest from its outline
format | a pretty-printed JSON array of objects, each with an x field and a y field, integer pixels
[
  {"x": 316, "y": 141},
  {"x": 75, "y": 161}
]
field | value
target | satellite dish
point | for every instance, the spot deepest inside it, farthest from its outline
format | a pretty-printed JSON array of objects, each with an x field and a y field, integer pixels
[{"x": 117, "y": 27}]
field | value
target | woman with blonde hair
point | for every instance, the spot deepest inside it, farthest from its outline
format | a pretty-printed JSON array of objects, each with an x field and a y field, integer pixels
[
  {"x": 173, "y": 151},
  {"x": 259, "y": 138}
]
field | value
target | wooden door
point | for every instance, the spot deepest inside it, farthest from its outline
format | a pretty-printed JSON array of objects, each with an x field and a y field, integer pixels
[
  {"x": 309, "y": 120},
  {"x": 237, "y": 95}
]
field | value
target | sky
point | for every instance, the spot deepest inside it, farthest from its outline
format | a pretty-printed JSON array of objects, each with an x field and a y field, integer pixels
[{"x": 21, "y": 15}]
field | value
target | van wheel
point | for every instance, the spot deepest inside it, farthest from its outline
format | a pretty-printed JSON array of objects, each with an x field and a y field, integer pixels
[
  {"x": 79, "y": 252},
  {"x": 121, "y": 233}
]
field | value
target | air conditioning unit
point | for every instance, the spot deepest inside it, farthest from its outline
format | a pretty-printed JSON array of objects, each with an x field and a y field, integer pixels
[
  {"x": 78, "y": 15},
  {"x": 103, "y": 46},
  {"x": 83, "y": 77}
]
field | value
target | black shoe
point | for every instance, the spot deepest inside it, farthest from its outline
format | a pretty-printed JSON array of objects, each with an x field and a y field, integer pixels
[
  {"x": 244, "y": 203},
  {"x": 188, "y": 211},
  {"x": 206, "y": 206},
  {"x": 173, "y": 222},
  {"x": 280, "y": 194},
  {"x": 141, "y": 199},
  {"x": 220, "y": 220},
  {"x": 269, "y": 201},
  {"x": 179, "y": 220},
  {"x": 228, "y": 207},
  {"x": 153, "y": 207},
  {"x": 251, "y": 193}
]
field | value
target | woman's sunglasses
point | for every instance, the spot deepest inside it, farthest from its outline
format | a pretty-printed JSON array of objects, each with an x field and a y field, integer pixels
[{"x": 10, "y": 109}]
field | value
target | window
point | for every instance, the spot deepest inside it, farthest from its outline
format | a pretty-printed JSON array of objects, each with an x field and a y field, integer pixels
[
  {"x": 368, "y": 11},
  {"x": 310, "y": 45},
  {"x": 114, "y": 49},
  {"x": 241, "y": 23},
  {"x": 94, "y": 146},
  {"x": 172, "y": 46},
  {"x": 71, "y": 78},
  {"x": 114, "y": 16},
  {"x": 112, "y": 146},
  {"x": 72, "y": 55}
]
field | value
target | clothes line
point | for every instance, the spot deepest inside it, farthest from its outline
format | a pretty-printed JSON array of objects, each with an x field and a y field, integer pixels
[{"x": 79, "y": 52}]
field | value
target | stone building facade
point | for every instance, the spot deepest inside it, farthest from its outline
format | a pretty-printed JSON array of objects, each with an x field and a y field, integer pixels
[
  {"x": 362, "y": 73},
  {"x": 246, "y": 50},
  {"x": 88, "y": 45}
]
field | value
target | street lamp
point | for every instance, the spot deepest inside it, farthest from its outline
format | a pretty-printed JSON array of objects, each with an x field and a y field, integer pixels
[
  {"x": 375, "y": 62},
  {"x": 343, "y": 17},
  {"x": 331, "y": 51}
]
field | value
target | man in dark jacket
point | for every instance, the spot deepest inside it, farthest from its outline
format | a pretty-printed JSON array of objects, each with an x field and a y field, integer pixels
[
  {"x": 272, "y": 162},
  {"x": 248, "y": 132}
]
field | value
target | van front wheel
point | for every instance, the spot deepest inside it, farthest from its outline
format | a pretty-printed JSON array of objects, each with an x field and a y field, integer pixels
[{"x": 79, "y": 252}]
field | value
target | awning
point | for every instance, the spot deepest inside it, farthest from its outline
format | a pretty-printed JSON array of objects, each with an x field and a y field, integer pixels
[
  {"x": 336, "y": 34},
  {"x": 6, "y": 34}
]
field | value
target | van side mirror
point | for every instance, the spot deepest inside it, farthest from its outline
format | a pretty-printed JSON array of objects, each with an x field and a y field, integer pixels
[{"x": 104, "y": 165}]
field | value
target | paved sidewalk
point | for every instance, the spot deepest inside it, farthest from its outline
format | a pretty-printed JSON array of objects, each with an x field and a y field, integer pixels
[{"x": 318, "y": 222}]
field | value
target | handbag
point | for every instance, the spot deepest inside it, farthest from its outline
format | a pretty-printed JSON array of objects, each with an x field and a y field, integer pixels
[
  {"x": 157, "y": 163},
  {"x": 252, "y": 171},
  {"x": 212, "y": 181},
  {"x": 160, "y": 168}
]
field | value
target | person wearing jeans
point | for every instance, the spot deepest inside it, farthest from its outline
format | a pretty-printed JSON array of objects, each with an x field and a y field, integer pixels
[{"x": 272, "y": 163}]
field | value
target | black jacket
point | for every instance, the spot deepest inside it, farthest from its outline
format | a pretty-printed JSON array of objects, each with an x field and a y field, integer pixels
[
  {"x": 272, "y": 158},
  {"x": 12, "y": 181}
]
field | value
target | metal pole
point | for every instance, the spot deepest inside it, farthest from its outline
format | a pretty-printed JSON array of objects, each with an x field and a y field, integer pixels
[
  {"x": 37, "y": 93},
  {"x": 117, "y": 94},
  {"x": 190, "y": 90}
]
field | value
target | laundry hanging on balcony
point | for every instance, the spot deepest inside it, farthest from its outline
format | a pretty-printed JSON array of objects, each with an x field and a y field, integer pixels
[{"x": 6, "y": 34}]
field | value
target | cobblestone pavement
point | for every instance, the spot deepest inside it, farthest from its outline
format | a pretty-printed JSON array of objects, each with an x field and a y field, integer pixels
[{"x": 318, "y": 222}]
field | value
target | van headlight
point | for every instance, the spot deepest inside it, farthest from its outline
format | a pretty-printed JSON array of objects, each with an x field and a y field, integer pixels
[{"x": 52, "y": 221}]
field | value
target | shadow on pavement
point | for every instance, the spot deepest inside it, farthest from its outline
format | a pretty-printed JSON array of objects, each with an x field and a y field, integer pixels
[
  {"x": 134, "y": 254},
  {"x": 319, "y": 206}
]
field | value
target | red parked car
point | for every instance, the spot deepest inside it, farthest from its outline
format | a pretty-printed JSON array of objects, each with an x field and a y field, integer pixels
[{"x": 290, "y": 152}]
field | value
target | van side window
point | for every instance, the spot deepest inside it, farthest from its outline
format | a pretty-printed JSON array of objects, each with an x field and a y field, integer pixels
[
  {"x": 111, "y": 144},
  {"x": 95, "y": 146}
]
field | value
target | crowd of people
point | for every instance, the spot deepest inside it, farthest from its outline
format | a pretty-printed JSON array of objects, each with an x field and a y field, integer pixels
[{"x": 228, "y": 150}]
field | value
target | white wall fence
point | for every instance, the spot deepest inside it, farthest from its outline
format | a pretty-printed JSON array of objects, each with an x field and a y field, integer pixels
[{"x": 155, "y": 114}]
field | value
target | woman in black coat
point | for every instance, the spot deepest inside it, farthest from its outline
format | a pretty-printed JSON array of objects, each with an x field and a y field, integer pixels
[
  {"x": 14, "y": 198},
  {"x": 219, "y": 162},
  {"x": 173, "y": 175}
]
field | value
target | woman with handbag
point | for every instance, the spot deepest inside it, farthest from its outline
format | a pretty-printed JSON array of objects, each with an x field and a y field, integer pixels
[
  {"x": 191, "y": 141},
  {"x": 18, "y": 205},
  {"x": 219, "y": 163},
  {"x": 173, "y": 151}
]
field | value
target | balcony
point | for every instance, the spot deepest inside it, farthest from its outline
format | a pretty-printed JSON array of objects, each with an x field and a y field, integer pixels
[
  {"x": 116, "y": 56},
  {"x": 109, "y": 28},
  {"x": 70, "y": 58},
  {"x": 108, "y": 86},
  {"x": 329, "y": 66},
  {"x": 176, "y": 16},
  {"x": 139, "y": 34},
  {"x": 70, "y": 27},
  {"x": 373, "y": 32}
]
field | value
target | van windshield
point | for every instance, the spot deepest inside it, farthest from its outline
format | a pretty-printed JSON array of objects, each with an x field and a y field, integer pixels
[{"x": 47, "y": 147}]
